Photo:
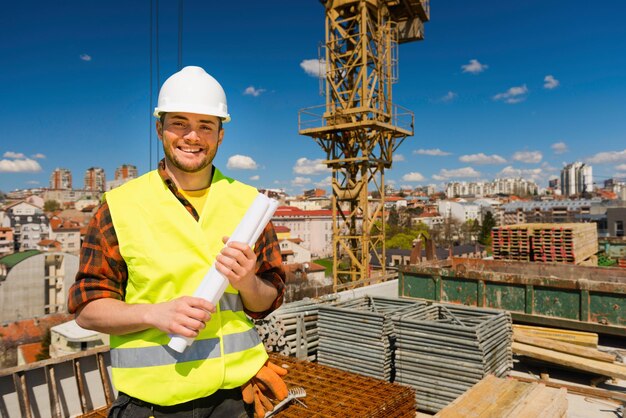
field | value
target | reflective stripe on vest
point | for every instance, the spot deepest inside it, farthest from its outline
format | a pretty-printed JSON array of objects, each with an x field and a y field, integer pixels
[{"x": 162, "y": 355}]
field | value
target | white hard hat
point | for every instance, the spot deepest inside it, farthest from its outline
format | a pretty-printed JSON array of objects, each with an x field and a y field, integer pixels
[{"x": 192, "y": 90}]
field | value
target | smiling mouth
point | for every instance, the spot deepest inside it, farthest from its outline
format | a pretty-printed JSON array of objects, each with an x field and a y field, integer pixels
[{"x": 190, "y": 150}]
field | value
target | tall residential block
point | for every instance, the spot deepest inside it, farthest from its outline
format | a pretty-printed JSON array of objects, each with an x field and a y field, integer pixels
[
  {"x": 126, "y": 172},
  {"x": 576, "y": 179},
  {"x": 61, "y": 179},
  {"x": 95, "y": 179}
]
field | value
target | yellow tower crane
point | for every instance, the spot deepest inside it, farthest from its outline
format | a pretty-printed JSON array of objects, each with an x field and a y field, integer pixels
[{"x": 359, "y": 127}]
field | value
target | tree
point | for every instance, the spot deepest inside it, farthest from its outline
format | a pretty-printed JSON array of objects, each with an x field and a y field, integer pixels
[
  {"x": 485, "y": 231},
  {"x": 51, "y": 206}
]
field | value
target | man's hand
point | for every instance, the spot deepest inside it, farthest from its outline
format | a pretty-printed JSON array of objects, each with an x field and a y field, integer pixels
[
  {"x": 237, "y": 263},
  {"x": 185, "y": 316}
]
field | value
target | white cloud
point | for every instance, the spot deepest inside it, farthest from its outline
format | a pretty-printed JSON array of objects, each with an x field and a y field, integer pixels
[
  {"x": 432, "y": 152},
  {"x": 325, "y": 182},
  {"x": 413, "y": 176},
  {"x": 300, "y": 181},
  {"x": 398, "y": 157},
  {"x": 549, "y": 82},
  {"x": 529, "y": 157},
  {"x": 482, "y": 159},
  {"x": 559, "y": 147},
  {"x": 252, "y": 91},
  {"x": 314, "y": 67},
  {"x": 16, "y": 155},
  {"x": 85, "y": 57},
  {"x": 465, "y": 172},
  {"x": 310, "y": 167},
  {"x": 39, "y": 156},
  {"x": 33, "y": 182},
  {"x": 450, "y": 96},
  {"x": 25, "y": 165},
  {"x": 608, "y": 157},
  {"x": 621, "y": 167},
  {"x": 241, "y": 162},
  {"x": 513, "y": 95},
  {"x": 474, "y": 67},
  {"x": 534, "y": 174},
  {"x": 255, "y": 178}
]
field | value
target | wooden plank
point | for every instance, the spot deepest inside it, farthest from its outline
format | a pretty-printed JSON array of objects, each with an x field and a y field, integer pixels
[
  {"x": 541, "y": 402},
  {"x": 563, "y": 347},
  {"x": 473, "y": 400},
  {"x": 55, "y": 406},
  {"x": 568, "y": 360},
  {"x": 581, "y": 390},
  {"x": 588, "y": 339}
]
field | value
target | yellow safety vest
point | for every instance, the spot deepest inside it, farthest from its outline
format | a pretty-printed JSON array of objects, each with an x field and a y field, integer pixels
[{"x": 168, "y": 253}]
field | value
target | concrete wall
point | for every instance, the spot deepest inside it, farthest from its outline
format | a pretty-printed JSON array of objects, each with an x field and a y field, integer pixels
[{"x": 23, "y": 292}]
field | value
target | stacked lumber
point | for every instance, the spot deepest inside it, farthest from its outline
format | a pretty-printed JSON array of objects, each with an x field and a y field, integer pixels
[
  {"x": 291, "y": 330},
  {"x": 587, "y": 339},
  {"x": 564, "y": 354},
  {"x": 493, "y": 397},
  {"x": 511, "y": 243},
  {"x": 564, "y": 243},
  {"x": 443, "y": 350},
  {"x": 573, "y": 243}
]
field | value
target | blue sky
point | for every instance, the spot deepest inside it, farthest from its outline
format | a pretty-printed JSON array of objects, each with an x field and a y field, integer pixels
[{"x": 498, "y": 88}]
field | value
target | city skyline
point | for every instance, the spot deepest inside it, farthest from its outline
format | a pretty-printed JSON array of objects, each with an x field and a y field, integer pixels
[{"x": 498, "y": 90}]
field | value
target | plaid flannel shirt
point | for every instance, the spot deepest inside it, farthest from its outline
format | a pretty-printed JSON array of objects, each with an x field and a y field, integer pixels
[{"x": 103, "y": 272}]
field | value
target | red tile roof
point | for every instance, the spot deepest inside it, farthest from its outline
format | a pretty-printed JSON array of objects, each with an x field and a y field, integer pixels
[
  {"x": 30, "y": 330},
  {"x": 280, "y": 228},
  {"x": 30, "y": 351}
]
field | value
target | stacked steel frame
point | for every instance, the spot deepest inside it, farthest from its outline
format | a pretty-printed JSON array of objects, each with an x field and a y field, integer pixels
[
  {"x": 291, "y": 330},
  {"x": 443, "y": 350},
  {"x": 358, "y": 336}
]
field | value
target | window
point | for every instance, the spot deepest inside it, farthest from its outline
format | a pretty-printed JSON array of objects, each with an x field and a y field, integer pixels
[{"x": 619, "y": 228}]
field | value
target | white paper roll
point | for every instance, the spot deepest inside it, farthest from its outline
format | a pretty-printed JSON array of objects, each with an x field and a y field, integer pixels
[{"x": 248, "y": 231}]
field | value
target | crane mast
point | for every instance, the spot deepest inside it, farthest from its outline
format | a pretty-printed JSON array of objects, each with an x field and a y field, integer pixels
[{"x": 360, "y": 127}]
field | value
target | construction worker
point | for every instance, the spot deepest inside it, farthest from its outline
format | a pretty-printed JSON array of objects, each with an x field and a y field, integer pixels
[{"x": 147, "y": 249}]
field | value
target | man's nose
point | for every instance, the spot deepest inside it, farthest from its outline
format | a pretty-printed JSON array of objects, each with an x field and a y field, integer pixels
[{"x": 192, "y": 135}]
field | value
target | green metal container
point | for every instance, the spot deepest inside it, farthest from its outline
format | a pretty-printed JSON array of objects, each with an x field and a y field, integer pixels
[{"x": 583, "y": 298}]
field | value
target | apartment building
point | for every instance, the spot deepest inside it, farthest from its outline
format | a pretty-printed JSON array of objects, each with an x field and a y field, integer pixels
[
  {"x": 123, "y": 173},
  {"x": 6, "y": 241},
  {"x": 314, "y": 227},
  {"x": 507, "y": 186},
  {"x": 576, "y": 179},
  {"x": 29, "y": 223},
  {"x": 61, "y": 179},
  {"x": 557, "y": 211},
  {"x": 460, "y": 211},
  {"x": 95, "y": 179}
]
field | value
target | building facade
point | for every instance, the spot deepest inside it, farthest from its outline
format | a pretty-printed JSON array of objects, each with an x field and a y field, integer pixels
[
  {"x": 314, "y": 227},
  {"x": 61, "y": 179},
  {"x": 95, "y": 179},
  {"x": 576, "y": 179}
]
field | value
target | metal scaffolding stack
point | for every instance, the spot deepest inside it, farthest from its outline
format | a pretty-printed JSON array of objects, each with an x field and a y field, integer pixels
[
  {"x": 291, "y": 330},
  {"x": 358, "y": 336},
  {"x": 443, "y": 350}
]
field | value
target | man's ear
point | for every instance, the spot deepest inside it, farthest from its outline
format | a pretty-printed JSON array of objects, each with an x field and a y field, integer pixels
[
  {"x": 159, "y": 129},
  {"x": 220, "y": 137}
]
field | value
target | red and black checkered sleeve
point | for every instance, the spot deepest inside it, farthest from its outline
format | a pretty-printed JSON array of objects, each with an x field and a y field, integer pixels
[
  {"x": 102, "y": 272},
  {"x": 270, "y": 267}
]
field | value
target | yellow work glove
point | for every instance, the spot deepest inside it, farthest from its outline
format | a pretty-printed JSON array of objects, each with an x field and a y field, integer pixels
[{"x": 267, "y": 383}]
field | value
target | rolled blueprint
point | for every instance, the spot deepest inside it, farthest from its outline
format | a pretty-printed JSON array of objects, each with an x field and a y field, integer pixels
[{"x": 248, "y": 231}]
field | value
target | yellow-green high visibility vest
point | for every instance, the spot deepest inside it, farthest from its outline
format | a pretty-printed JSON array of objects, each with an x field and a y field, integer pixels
[{"x": 168, "y": 253}]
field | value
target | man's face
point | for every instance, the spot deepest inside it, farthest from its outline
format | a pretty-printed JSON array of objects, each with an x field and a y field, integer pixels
[{"x": 190, "y": 141}]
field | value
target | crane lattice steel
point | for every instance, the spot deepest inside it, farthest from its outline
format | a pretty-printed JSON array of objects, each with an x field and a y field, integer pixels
[{"x": 359, "y": 127}]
